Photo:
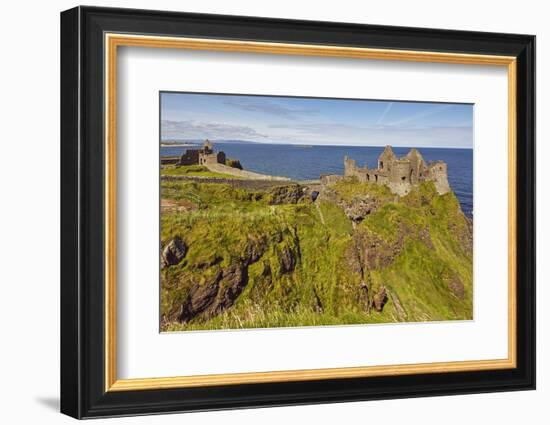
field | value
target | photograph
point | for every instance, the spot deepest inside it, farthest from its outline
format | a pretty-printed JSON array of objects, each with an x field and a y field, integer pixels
[
  {"x": 279, "y": 211},
  {"x": 285, "y": 210}
]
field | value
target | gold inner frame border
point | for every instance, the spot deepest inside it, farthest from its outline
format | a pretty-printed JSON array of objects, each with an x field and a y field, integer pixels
[{"x": 112, "y": 41}]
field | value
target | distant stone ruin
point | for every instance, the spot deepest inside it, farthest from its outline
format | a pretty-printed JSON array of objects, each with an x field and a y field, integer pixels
[
  {"x": 202, "y": 156},
  {"x": 215, "y": 162},
  {"x": 398, "y": 174}
]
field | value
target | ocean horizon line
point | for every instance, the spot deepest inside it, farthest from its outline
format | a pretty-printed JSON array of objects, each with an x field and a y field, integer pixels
[{"x": 168, "y": 142}]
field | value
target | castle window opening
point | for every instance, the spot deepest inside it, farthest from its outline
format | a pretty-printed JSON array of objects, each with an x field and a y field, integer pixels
[{"x": 403, "y": 178}]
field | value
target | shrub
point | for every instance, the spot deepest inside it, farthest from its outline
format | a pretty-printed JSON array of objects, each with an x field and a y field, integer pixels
[{"x": 235, "y": 163}]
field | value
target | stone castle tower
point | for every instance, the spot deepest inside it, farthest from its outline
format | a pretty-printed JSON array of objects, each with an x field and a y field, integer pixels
[
  {"x": 204, "y": 155},
  {"x": 400, "y": 174}
]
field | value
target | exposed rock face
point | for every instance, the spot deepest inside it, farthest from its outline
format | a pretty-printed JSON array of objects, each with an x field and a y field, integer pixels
[
  {"x": 288, "y": 194},
  {"x": 465, "y": 236},
  {"x": 359, "y": 208},
  {"x": 379, "y": 299},
  {"x": 457, "y": 287},
  {"x": 375, "y": 247},
  {"x": 173, "y": 252},
  {"x": 214, "y": 286},
  {"x": 377, "y": 253},
  {"x": 401, "y": 313},
  {"x": 287, "y": 260},
  {"x": 361, "y": 261},
  {"x": 214, "y": 295}
]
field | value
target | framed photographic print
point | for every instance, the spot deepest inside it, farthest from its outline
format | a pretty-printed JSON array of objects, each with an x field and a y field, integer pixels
[{"x": 261, "y": 212}]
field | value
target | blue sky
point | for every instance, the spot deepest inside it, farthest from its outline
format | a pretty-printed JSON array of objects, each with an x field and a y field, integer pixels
[{"x": 312, "y": 121}]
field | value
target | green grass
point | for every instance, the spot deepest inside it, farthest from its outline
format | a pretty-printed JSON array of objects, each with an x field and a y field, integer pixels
[
  {"x": 324, "y": 288},
  {"x": 193, "y": 171},
  {"x": 348, "y": 189}
]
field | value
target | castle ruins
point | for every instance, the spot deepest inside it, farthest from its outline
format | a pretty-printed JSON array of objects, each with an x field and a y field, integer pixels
[
  {"x": 203, "y": 156},
  {"x": 398, "y": 174}
]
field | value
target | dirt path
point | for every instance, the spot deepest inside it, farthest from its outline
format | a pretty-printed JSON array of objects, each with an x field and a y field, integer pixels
[
  {"x": 171, "y": 205},
  {"x": 320, "y": 213},
  {"x": 224, "y": 169}
]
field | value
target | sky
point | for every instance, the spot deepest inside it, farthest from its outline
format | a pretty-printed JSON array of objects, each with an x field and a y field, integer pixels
[{"x": 315, "y": 121}]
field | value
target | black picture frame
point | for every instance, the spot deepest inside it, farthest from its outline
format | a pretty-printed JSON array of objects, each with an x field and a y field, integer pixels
[{"x": 83, "y": 392}]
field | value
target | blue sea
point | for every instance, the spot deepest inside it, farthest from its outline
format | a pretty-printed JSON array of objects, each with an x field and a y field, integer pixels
[{"x": 309, "y": 162}]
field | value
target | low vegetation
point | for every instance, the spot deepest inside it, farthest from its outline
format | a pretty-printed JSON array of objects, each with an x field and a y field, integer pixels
[
  {"x": 192, "y": 171},
  {"x": 235, "y": 163},
  {"x": 251, "y": 259}
]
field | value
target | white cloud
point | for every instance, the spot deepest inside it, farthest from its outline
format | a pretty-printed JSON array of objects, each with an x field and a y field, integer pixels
[{"x": 198, "y": 130}]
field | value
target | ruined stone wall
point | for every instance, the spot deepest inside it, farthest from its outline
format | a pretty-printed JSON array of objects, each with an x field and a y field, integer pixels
[
  {"x": 352, "y": 170},
  {"x": 400, "y": 172},
  {"x": 361, "y": 174},
  {"x": 380, "y": 178},
  {"x": 330, "y": 178},
  {"x": 190, "y": 157},
  {"x": 385, "y": 160},
  {"x": 437, "y": 172},
  {"x": 417, "y": 168},
  {"x": 400, "y": 188},
  {"x": 349, "y": 167},
  {"x": 211, "y": 158}
]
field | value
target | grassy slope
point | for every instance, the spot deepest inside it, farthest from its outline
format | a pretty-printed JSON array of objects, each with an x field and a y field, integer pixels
[
  {"x": 419, "y": 275},
  {"x": 193, "y": 171},
  {"x": 322, "y": 289}
]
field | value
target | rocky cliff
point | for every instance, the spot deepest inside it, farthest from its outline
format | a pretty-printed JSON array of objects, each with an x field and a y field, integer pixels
[{"x": 353, "y": 253}]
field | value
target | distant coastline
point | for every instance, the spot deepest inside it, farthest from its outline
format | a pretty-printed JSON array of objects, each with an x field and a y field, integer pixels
[
  {"x": 195, "y": 142},
  {"x": 178, "y": 144}
]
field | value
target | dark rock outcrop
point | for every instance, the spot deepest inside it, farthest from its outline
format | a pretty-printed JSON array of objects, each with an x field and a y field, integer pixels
[
  {"x": 217, "y": 286},
  {"x": 287, "y": 194},
  {"x": 209, "y": 298},
  {"x": 288, "y": 260},
  {"x": 359, "y": 208},
  {"x": 379, "y": 253},
  {"x": 379, "y": 299},
  {"x": 173, "y": 252}
]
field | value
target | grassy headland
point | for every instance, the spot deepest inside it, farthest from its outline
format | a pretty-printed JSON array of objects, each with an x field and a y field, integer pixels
[
  {"x": 193, "y": 171},
  {"x": 273, "y": 258}
]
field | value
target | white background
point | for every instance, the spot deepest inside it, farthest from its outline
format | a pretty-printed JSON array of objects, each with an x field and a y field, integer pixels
[
  {"x": 144, "y": 72},
  {"x": 29, "y": 229}
]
